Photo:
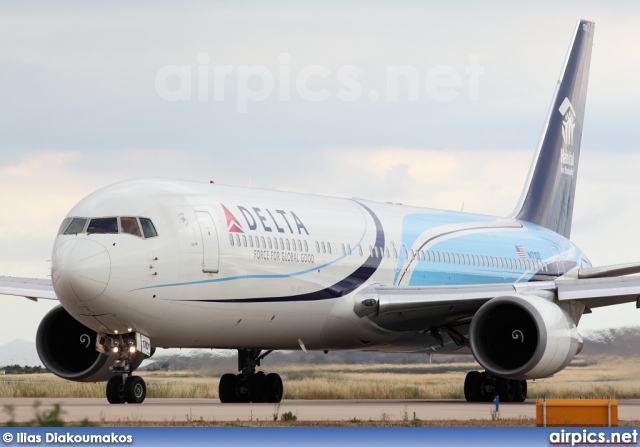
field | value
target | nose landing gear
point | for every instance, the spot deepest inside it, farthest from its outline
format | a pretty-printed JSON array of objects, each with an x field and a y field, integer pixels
[
  {"x": 125, "y": 388},
  {"x": 131, "y": 349}
]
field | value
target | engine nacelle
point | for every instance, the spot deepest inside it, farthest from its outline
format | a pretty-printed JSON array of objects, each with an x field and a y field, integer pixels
[
  {"x": 68, "y": 349},
  {"x": 523, "y": 337}
]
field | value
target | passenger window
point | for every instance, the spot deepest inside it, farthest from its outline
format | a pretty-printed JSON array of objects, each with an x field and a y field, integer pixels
[
  {"x": 106, "y": 225},
  {"x": 257, "y": 242},
  {"x": 349, "y": 248},
  {"x": 130, "y": 226},
  {"x": 386, "y": 251},
  {"x": 250, "y": 242},
  {"x": 231, "y": 240},
  {"x": 324, "y": 249},
  {"x": 244, "y": 240},
  {"x": 360, "y": 249},
  {"x": 76, "y": 226},
  {"x": 317, "y": 247},
  {"x": 299, "y": 245},
  {"x": 148, "y": 229},
  {"x": 264, "y": 244},
  {"x": 306, "y": 247},
  {"x": 269, "y": 243},
  {"x": 329, "y": 247}
]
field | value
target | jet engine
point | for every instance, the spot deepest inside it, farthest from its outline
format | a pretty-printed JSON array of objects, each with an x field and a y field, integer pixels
[
  {"x": 523, "y": 337},
  {"x": 68, "y": 349}
]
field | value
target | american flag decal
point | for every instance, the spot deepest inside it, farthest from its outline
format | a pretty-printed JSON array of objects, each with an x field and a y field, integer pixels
[{"x": 521, "y": 253}]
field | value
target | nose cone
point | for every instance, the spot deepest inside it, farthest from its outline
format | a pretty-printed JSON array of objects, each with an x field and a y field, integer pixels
[{"x": 80, "y": 270}]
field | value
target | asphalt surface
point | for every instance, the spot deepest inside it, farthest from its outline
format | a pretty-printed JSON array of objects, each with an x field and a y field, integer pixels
[{"x": 184, "y": 410}]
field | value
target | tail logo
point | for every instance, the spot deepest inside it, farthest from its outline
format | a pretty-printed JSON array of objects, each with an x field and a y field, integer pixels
[{"x": 568, "y": 126}]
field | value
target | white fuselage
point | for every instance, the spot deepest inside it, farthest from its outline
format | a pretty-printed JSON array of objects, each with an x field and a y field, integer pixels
[{"x": 242, "y": 268}]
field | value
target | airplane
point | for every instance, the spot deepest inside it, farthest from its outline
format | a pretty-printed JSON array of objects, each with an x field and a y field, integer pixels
[{"x": 158, "y": 263}]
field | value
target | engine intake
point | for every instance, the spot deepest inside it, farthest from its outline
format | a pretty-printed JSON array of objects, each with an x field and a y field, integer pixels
[
  {"x": 523, "y": 337},
  {"x": 68, "y": 349}
]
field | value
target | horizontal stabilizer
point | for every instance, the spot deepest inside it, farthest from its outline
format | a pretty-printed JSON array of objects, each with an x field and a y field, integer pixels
[{"x": 609, "y": 271}]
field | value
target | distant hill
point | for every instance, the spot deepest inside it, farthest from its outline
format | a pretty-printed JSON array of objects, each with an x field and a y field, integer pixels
[
  {"x": 623, "y": 342},
  {"x": 19, "y": 352}
]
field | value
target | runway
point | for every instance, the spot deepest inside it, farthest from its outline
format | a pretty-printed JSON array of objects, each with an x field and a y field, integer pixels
[{"x": 185, "y": 410}]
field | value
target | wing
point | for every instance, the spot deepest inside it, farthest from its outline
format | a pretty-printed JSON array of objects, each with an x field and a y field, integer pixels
[
  {"x": 419, "y": 308},
  {"x": 31, "y": 288}
]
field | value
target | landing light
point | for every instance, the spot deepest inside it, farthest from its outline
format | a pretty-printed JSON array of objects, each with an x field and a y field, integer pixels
[
  {"x": 132, "y": 349},
  {"x": 115, "y": 349}
]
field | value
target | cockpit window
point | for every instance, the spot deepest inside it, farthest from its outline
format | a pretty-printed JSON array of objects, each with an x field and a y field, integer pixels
[
  {"x": 105, "y": 225},
  {"x": 76, "y": 226},
  {"x": 136, "y": 226},
  {"x": 63, "y": 226},
  {"x": 130, "y": 226},
  {"x": 147, "y": 228}
]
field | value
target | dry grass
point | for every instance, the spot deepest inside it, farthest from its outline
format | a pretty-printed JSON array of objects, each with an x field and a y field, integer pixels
[{"x": 607, "y": 378}]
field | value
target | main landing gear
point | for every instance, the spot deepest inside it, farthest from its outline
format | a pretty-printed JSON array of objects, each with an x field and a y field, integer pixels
[
  {"x": 484, "y": 387},
  {"x": 249, "y": 385}
]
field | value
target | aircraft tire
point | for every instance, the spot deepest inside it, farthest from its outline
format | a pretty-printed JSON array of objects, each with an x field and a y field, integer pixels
[
  {"x": 115, "y": 390},
  {"x": 521, "y": 391},
  {"x": 135, "y": 390},
  {"x": 473, "y": 386},
  {"x": 228, "y": 388},
  {"x": 257, "y": 388},
  {"x": 274, "y": 388},
  {"x": 506, "y": 389}
]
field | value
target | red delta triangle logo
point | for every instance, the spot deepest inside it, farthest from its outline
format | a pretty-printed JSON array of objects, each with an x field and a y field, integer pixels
[{"x": 233, "y": 226}]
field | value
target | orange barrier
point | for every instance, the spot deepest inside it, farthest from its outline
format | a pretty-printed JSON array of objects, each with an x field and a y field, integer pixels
[{"x": 576, "y": 412}]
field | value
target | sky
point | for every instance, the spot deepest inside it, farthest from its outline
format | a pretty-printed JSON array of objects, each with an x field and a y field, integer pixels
[{"x": 300, "y": 96}]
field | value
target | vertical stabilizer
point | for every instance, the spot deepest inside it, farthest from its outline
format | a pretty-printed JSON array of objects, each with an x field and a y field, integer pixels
[{"x": 548, "y": 196}]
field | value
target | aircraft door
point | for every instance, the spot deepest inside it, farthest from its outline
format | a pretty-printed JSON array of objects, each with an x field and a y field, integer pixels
[{"x": 210, "y": 246}]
